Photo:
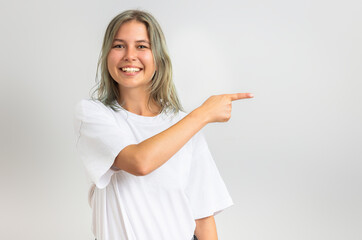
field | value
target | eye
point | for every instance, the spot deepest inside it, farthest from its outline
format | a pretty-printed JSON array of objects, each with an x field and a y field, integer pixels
[
  {"x": 142, "y": 46},
  {"x": 118, "y": 46}
]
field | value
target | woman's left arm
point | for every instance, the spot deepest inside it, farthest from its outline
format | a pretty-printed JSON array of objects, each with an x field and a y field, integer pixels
[{"x": 206, "y": 228}]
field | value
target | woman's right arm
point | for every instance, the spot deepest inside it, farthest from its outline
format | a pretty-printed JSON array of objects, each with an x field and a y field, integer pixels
[{"x": 142, "y": 158}]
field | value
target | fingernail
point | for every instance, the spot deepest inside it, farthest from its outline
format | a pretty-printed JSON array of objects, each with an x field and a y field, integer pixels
[{"x": 251, "y": 95}]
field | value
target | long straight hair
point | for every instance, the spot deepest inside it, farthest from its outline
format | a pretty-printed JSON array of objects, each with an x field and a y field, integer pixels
[{"x": 161, "y": 88}]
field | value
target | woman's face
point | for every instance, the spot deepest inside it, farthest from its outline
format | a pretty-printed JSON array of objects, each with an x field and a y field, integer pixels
[{"x": 130, "y": 60}]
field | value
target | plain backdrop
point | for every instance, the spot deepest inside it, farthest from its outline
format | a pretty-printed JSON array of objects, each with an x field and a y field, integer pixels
[{"x": 290, "y": 157}]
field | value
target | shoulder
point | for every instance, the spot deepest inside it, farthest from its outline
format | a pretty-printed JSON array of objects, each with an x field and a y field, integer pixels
[
  {"x": 177, "y": 116},
  {"x": 88, "y": 107},
  {"x": 89, "y": 104},
  {"x": 182, "y": 114}
]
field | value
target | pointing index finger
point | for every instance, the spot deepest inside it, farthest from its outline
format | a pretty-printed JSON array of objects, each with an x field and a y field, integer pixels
[{"x": 237, "y": 96}]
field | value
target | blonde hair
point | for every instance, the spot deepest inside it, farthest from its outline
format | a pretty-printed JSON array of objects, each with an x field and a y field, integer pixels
[{"x": 162, "y": 89}]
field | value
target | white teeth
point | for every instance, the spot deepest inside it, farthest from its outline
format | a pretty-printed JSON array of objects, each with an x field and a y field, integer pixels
[{"x": 130, "y": 69}]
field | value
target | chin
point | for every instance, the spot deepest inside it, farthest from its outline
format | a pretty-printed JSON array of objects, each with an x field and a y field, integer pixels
[{"x": 131, "y": 85}]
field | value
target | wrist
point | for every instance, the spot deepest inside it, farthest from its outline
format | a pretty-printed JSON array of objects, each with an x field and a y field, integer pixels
[{"x": 200, "y": 116}]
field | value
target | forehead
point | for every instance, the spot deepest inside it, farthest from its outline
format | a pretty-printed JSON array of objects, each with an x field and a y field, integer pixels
[{"x": 132, "y": 30}]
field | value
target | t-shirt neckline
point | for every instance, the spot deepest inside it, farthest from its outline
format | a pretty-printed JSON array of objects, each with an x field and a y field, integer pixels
[{"x": 140, "y": 118}]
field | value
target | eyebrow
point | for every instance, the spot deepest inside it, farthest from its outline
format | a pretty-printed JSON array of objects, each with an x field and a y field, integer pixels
[{"x": 138, "y": 41}]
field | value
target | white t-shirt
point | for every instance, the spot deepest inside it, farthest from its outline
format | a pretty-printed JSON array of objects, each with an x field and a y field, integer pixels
[{"x": 158, "y": 206}]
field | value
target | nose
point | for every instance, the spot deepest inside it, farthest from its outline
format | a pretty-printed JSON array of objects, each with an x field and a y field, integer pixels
[{"x": 130, "y": 55}]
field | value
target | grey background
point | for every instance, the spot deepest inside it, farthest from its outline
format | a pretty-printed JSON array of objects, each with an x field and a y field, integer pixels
[{"x": 290, "y": 157}]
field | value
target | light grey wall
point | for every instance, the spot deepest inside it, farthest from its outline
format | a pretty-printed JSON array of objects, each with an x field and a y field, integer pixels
[{"x": 291, "y": 157}]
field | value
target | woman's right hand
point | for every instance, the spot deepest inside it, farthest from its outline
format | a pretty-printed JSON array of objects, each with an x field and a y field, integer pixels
[{"x": 217, "y": 108}]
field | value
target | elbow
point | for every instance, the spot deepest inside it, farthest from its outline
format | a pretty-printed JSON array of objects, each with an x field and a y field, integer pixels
[
  {"x": 142, "y": 168},
  {"x": 142, "y": 172},
  {"x": 132, "y": 161}
]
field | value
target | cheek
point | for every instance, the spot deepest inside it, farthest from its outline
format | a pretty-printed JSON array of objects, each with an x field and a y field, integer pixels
[
  {"x": 112, "y": 63},
  {"x": 111, "y": 59},
  {"x": 148, "y": 58}
]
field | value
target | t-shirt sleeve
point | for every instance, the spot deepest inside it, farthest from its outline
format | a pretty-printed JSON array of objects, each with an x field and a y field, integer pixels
[
  {"x": 205, "y": 188},
  {"x": 99, "y": 139}
]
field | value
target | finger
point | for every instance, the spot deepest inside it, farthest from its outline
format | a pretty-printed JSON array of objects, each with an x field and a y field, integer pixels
[{"x": 237, "y": 96}]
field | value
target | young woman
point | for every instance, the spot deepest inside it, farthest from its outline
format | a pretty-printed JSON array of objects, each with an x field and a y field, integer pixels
[{"x": 152, "y": 174}]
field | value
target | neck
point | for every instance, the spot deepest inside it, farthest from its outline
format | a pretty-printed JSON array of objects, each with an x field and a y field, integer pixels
[{"x": 136, "y": 102}]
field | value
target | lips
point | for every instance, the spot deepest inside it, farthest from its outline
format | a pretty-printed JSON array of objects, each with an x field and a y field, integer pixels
[{"x": 130, "y": 69}]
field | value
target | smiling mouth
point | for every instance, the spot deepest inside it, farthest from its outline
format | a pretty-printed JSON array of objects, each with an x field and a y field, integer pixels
[{"x": 130, "y": 70}]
